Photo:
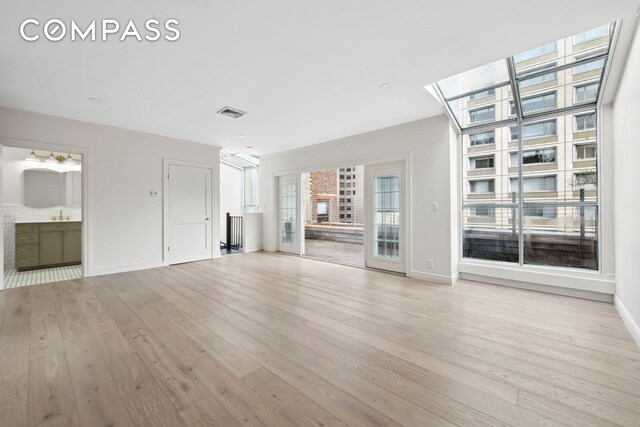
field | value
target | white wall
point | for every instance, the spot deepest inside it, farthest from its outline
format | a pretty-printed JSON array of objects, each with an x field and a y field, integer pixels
[
  {"x": 432, "y": 177},
  {"x": 626, "y": 139},
  {"x": 121, "y": 167},
  {"x": 231, "y": 194}
]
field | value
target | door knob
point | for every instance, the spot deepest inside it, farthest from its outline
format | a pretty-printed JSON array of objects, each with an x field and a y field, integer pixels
[{"x": 206, "y": 219}]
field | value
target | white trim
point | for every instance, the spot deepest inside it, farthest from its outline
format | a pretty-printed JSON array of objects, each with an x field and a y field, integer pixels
[
  {"x": 434, "y": 278},
  {"x": 540, "y": 275},
  {"x": 124, "y": 268},
  {"x": 629, "y": 322},
  {"x": 537, "y": 287}
]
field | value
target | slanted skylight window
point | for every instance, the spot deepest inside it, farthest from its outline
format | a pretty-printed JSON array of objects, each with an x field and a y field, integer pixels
[{"x": 529, "y": 152}]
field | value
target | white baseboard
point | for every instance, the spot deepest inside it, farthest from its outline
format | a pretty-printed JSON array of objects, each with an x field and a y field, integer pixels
[
  {"x": 123, "y": 268},
  {"x": 631, "y": 324},
  {"x": 436, "y": 278}
]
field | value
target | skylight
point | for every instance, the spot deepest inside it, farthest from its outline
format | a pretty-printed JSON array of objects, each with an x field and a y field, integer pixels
[{"x": 558, "y": 77}]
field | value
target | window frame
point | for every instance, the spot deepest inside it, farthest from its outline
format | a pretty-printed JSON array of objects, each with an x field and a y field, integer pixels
[
  {"x": 484, "y": 107},
  {"x": 485, "y": 156},
  {"x": 584, "y": 85},
  {"x": 493, "y": 180},
  {"x": 584, "y": 144},
  {"x": 575, "y": 122}
]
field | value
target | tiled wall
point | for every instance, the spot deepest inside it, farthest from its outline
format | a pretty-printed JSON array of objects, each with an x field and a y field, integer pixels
[{"x": 17, "y": 213}]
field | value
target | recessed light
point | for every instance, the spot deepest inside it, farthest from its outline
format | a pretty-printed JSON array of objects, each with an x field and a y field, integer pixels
[
  {"x": 242, "y": 136},
  {"x": 95, "y": 100},
  {"x": 249, "y": 147},
  {"x": 385, "y": 85}
]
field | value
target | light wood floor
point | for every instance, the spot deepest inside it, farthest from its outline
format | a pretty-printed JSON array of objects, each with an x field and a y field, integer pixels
[{"x": 264, "y": 339}]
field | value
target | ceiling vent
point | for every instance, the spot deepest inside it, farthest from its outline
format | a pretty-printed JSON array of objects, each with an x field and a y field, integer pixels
[{"x": 231, "y": 112}]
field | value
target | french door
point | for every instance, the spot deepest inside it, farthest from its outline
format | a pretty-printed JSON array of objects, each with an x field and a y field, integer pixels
[
  {"x": 385, "y": 216},
  {"x": 289, "y": 214}
]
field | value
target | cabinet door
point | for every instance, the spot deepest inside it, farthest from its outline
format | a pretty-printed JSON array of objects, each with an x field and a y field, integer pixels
[
  {"x": 50, "y": 247},
  {"x": 71, "y": 246}
]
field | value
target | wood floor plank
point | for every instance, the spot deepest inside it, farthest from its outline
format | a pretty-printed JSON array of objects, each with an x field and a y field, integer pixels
[
  {"x": 15, "y": 346},
  {"x": 51, "y": 393},
  {"x": 98, "y": 399}
]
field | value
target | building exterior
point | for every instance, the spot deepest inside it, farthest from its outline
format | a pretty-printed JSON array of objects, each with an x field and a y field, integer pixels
[
  {"x": 559, "y": 151},
  {"x": 334, "y": 196}
]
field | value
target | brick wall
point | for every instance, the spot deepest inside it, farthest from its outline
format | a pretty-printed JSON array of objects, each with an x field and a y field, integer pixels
[{"x": 323, "y": 185}]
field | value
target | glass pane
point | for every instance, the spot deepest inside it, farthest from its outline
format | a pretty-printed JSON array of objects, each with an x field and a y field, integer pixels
[
  {"x": 476, "y": 80},
  {"x": 387, "y": 217},
  {"x": 490, "y": 233},
  {"x": 288, "y": 213},
  {"x": 487, "y": 166},
  {"x": 563, "y": 236}
]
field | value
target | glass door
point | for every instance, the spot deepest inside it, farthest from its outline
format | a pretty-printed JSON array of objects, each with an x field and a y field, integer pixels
[
  {"x": 385, "y": 223},
  {"x": 289, "y": 239}
]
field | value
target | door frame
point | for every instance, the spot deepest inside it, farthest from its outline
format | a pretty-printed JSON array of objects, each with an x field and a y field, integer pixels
[
  {"x": 84, "y": 174},
  {"x": 215, "y": 201},
  {"x": 299, "y": 214},
  {"x": 405, "y": 226}
]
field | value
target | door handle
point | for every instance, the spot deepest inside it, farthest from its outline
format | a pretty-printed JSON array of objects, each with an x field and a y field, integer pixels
[{"x": 206, "y": 219}]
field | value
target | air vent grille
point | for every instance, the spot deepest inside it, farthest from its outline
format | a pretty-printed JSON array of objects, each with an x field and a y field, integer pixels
[{"x": 231, "y": 112}]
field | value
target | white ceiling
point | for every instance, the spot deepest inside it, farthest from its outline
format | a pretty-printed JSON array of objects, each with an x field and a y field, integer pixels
[{"x": 306, "y": 72}]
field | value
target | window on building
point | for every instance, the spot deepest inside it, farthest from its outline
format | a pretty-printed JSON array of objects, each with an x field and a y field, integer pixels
[
  {"x": 482, "y": 186},
  {"x": 586, "y": 121},
  {"x": 484, "y": 138},
  {"x": 482, "y": 211},
  {"x": 349, "y": 193},
  {"x": 348, "y": 216},
  {"x": 534, "y": 184},
  {"x": 483, "y": 94},
  {"x": 529, "y": 157},
  {"x": 541, "y": 211},
  {"x": 484, "y": 162},
  {"x": 586, "y": 93},
  {"x": 341, "y": 216},
  {"x": 482, "y": 114},
  {"x": 535, "y": 53},
  {"x": 342, "y": 192},
  {"x": 341, "y": 176},
  {"x": 585, "y": 151},
  {"x": 322, "y": 210},
  {"x": 348, "y": 200},
  {"x": 535, "y": 130},
  {"x": 589, "y": 66},
  {"x": 547, "y": 77},
  {"x": 538, "y": 102},
  {"x": 592, "y": 34}
]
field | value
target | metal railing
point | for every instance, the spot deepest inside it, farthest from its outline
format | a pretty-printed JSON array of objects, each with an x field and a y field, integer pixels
[{"x": 234, "y": 234}]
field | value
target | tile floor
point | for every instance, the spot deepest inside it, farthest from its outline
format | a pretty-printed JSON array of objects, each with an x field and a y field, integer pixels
[{"x": 15, "y": 279}]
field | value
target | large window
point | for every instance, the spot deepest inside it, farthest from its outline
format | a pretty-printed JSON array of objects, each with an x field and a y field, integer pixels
[
  {"x": 482, "y": 186},
  {"x": 482, "y": 114},
  {"x": 484, "y": 138},
  {"x": 586, "y": 121},
  {"x": 535, "y": 130},
  {"x": 585, "y": 151},
  {"x": 484, "y": 162},
  {"x": 592, "y": 34},
  {"x": 535, "y": 53},
  {"x": 529, "y": 155},
  {"x": 586, "y": 93},
  {"x": 483, "y": 94},
  {"x": 539, "y": 102},
  {"x": 535, "y": 184}
]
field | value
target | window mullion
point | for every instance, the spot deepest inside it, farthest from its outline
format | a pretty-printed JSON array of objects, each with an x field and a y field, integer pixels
[{"x": 515, "y": 91}]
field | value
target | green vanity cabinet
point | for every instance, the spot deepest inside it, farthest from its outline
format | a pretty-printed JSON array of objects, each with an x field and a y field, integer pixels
[{"x": 48, "y": 244}]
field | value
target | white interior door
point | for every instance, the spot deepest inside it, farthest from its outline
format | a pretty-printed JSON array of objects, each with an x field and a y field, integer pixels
[
  {"x": 289, "y": 215},
  {"x": 385, "y": 217},
  {"x": 190, "y": 214}
]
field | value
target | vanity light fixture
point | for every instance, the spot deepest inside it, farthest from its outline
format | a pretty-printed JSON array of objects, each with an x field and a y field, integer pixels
[
  {"x": 51, "y": 158},
  {"x": 32, "y": 156}
]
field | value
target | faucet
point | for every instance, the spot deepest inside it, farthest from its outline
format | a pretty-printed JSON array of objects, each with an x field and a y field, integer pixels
[{"x": 61, "y": 217}]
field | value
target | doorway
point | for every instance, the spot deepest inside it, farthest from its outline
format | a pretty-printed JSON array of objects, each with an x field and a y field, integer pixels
[
  {"x": 333, "y": 203},
  {"x": 42, "y": 204},
  {"x": 189, "y": 212}
]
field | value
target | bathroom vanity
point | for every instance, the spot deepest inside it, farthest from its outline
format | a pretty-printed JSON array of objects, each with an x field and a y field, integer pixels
[{"x": 48, "y": 244}]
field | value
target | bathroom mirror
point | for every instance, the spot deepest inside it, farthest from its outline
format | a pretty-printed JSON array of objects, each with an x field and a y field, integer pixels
[{"x": 45, "y": 188}]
